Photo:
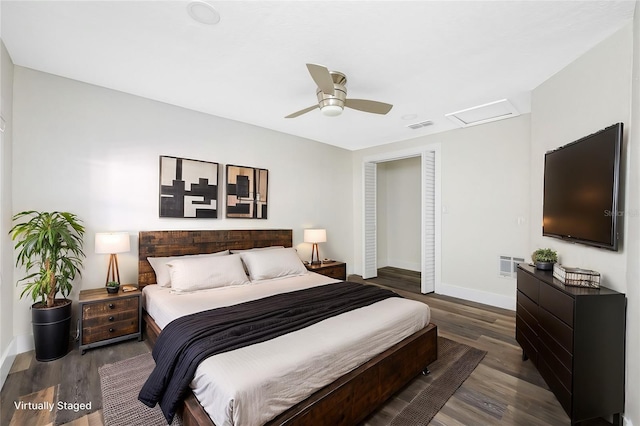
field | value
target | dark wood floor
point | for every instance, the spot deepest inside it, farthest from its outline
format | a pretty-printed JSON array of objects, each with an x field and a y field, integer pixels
[{"x": 503, "y": 390}]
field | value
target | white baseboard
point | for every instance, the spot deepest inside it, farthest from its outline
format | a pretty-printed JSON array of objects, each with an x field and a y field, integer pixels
[
  {"x": 6, "y": 361},
  {"x": 24, "y": 343},
  {"x": 492, "y": 299},
  {"x": 19, "y": 344},
  {"x": 402, "y": 264}
]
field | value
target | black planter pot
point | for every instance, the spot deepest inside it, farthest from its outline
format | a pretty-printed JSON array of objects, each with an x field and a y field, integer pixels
[
  {"x": 51, "y": 330},
  {"x": 545, "y": 266}
]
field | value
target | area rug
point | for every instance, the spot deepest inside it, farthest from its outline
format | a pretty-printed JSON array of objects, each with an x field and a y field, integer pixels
[
  {"x": 454, "y": 365},
  {"x": 121, "y": 382}
]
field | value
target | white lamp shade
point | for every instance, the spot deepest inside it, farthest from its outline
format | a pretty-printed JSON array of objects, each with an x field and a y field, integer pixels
[
  {"x": 112, "y": 242},
  {"x": 315, "y": 235}
]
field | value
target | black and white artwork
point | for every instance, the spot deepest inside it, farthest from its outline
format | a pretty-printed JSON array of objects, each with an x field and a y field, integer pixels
[
  {"x": 247, "y": 192},
  {"x": 188, "y": 188}
]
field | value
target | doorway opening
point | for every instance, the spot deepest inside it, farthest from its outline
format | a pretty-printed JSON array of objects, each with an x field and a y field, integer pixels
[{"x": 429, "y": 202}]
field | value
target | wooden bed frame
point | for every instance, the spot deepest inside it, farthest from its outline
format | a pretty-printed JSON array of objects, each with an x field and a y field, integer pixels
[{"x": 348, "y": 400}]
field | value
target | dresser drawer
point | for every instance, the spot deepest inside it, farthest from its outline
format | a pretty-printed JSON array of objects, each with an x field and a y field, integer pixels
[
  {"x": 558, "y": 330},
  {"x": 563, "y": 375},
  {"x": 110, "y": 330},
  {"x": 528, "y": 339},
  {"x": 563, "y": 395},
  {"x": 111, "y": 317},
  {"x": 556, "y": 302},
  {"x": 108, "y": 307},
  {"x": 531, "y": 308},
  {"x": 528, "y": 347},
  {"x": 528, "y": 285},
  {"x": 564, "y": 356}
]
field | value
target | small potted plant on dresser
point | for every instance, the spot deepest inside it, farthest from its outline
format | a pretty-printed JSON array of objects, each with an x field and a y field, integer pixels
[
  {"x": 49, "y": 246},
  {"x": 544, "y": 259},
  {"x": 113, "y": 287}
]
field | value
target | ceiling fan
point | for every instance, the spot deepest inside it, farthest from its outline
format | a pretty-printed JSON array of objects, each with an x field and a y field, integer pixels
[{"x": 332, "y": 95}]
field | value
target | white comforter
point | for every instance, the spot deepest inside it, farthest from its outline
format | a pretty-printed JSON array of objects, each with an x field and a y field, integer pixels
[{"x": 251, "y": 385}]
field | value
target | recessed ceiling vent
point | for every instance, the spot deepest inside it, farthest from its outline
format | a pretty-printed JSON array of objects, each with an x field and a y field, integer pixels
[
  {"x": 493, "y": 111},
  {"x": 420, "y": 125}
]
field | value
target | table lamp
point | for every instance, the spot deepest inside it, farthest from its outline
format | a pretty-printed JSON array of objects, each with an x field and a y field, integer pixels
[
  {"x": 315, "y": 236},
  {"x": 112, "y": 243}
]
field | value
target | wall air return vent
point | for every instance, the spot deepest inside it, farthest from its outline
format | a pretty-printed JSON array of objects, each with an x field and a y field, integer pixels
[
  {"x": 420, "y": 125},
  {"x": 493, "y": 111},
  {"x": 508, "y": 266}
]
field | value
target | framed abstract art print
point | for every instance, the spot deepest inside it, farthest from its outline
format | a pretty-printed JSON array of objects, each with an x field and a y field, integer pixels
[
  {"x": 188, "y": 188},
  {"x": 247, "y": 192}
]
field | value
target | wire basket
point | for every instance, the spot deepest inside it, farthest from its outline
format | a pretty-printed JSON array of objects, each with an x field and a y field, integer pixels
[{"x": 577, "y": 277}]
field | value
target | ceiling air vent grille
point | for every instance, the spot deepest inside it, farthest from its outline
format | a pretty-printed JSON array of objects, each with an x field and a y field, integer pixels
[{"x": 420, "y": 125}]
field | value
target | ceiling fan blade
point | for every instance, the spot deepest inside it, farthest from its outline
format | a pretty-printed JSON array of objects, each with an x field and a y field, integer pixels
[
  {"x": 368, "y": 106},
  {"x": 302, "y": 111},
  {"x": 322, "y": 77}
]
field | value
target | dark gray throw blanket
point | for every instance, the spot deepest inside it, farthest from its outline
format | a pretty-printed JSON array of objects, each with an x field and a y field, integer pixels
[{"x": 188, "y": 340}]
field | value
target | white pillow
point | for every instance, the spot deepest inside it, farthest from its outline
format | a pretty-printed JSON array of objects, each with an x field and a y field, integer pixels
[
  {"x": 276, "y": 263},
  {"x": 159, "y": 265},
  {"x": 199, "y": 273}
]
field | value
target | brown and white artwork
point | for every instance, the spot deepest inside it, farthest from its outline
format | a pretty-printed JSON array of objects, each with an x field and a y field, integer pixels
[{"x": 247, "y": 192}]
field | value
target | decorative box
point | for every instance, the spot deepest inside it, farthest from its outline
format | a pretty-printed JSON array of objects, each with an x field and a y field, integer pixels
[{"x": 576, "y": 276}]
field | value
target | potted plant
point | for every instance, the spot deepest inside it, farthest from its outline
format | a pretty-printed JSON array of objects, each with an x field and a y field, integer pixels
[
  {"x": 544, "y": 258},
  {"x": 49, "y": 246},
  {"x": 113, "y": 286}
]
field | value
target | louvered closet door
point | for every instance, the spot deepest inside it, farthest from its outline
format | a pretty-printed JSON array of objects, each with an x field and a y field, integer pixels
[
  {"x": 370, "y": 267},
  {"x": 428, "y": 272}
]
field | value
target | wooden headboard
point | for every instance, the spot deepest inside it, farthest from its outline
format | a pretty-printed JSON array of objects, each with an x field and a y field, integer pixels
[{"x": 179, "y": 243}]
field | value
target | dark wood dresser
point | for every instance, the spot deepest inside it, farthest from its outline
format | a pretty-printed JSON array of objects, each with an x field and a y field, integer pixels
[{"x": 575, "y": 336}]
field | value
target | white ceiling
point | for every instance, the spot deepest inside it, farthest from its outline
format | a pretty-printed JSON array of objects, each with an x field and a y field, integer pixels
[{"x": 427, "y": 58}]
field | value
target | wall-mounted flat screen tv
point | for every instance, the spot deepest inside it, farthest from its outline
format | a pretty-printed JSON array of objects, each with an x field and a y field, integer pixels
[{"x": 582, "y": 189}]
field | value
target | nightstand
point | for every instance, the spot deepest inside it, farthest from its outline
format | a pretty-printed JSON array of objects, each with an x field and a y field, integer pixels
[
  {"x": 337, "y": 270},
  {"x": 108, "y": 318}
]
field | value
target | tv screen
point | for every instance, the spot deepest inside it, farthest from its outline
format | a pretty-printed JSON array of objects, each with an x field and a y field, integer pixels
[{"x": 581, "y": 189}]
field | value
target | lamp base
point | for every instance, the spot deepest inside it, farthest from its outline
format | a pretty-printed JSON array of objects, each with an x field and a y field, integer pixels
[
  {"x": 314, "y": 251},
  {"x": 112, "y": 271}
]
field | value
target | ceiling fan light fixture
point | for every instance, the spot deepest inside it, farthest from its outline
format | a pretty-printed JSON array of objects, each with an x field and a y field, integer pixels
[
  {"x": 331, "y": 110},
  {"x": 332, "y": 95}
]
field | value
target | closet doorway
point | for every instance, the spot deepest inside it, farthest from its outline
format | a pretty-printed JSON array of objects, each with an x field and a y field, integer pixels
[{"x": 428, "y": 227}]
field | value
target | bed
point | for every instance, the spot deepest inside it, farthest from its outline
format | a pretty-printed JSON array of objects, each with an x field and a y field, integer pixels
[{"x": 347, "y": 399}]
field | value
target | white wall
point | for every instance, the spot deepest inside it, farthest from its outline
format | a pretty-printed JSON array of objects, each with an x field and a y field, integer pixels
[
  {"x": 94, "y": 152},
  {"x": 7, "y": 352},
  {"x": 632, "y": 246},
  {"x": 398, "y": 210},
  {"x": 485, "y": 182},
  {"x": 591, "y": 93}
]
